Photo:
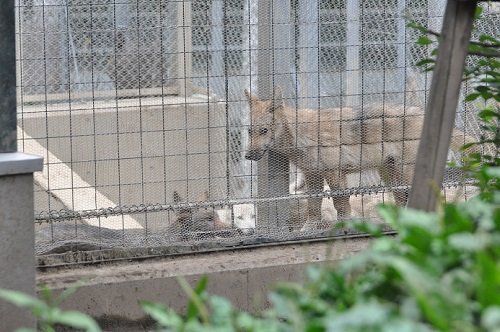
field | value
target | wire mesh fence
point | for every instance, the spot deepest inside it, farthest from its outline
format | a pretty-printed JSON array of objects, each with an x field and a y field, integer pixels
[{"x": 139, "y": 109}]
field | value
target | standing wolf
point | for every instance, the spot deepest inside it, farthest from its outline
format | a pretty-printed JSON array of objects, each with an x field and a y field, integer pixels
[{"x": 328, "y": 144}]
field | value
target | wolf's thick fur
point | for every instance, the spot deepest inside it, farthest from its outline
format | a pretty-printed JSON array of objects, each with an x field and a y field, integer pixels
[{"x": 330, "y": 143}]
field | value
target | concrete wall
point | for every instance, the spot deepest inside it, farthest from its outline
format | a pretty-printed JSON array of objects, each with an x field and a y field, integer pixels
[
  {"x": 134, "y": 151},
  {"x": 17, "y": 240},
  {"x": 111, "y": 292}
]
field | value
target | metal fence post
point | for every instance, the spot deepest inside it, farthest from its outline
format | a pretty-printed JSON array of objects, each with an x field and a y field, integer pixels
[
  {"x": 274, "y": 70},
  {"x": 17, "y": 239},
  {"x": 353, "y": 65},
  {"x": 309, "y": 47},
  {"x": 184, "y": 47}
]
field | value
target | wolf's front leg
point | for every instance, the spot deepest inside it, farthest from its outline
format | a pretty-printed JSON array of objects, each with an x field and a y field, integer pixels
[
  {"x": 338, "y": 180},
  {"x": 314, "y": 183}
]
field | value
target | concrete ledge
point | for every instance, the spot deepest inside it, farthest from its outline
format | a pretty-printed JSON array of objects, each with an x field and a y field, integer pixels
[
  {"x": 244, "y": 276},
  {"x": 14, "y": 163}
]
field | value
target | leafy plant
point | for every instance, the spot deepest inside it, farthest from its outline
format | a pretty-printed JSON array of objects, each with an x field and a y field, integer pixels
[
  {"x": 47, "y": 311},
  {"x": 206, "y": 313}
]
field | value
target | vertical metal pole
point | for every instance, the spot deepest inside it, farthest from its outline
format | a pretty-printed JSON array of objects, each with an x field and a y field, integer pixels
[
  {"x": 217, "y": 49},
  {"x": 401, "y": 45},
  {"x": 353, "y": 65},
  {"x": 8, "y": 133},
  {"x": 442, "y": 105},
  {"x": 273, "y": 70},
  {"x": 184, "y": 47},
  {"x": 309, "y": 53}
]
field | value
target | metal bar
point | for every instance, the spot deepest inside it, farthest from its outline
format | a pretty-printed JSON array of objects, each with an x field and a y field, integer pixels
[
  {"x": 353, "y": 65},
  {"x": 273, "y": 71},
  {"x": 309, "y": 54},
  {"x": 443, "y": 100},
  {"x": 217, "y": 78},
  {"x": 8, "y": 134},
  {"x": 184, "y": 48}
]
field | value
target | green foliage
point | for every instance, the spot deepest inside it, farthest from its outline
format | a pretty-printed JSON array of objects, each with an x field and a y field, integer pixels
[
  {"x": 206, "y": 313},
  {"x": 47, "y": 311}
]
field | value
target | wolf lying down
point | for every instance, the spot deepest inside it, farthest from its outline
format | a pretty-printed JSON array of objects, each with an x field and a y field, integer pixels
[
  {"x": 187, "y": 224},
  {"x": 330, "y": 143}
]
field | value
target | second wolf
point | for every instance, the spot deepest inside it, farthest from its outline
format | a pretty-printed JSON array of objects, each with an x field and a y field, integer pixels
[{"x": 328, "y": 144}]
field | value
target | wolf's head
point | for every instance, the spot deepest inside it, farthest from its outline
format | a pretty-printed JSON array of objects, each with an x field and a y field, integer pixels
[
  {"x": 262, "y": 131},
  {"x": 189, "y": 219}
]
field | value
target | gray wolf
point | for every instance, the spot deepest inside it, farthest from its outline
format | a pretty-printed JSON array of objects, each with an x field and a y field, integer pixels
[
  {"x": 188, "y": 221},
  {"x": 241, "y": 216},
  {"x": 328, "y": 144}
]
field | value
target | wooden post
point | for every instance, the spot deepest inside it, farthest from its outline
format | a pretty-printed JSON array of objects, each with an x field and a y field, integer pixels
[{"x": 443, "y": 100}]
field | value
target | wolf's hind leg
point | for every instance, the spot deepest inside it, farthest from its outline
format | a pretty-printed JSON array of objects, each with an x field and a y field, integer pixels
[
  {"x": 314, "y": 183},
  {"x": 391, "y": 172},
  {"x": 338, "y": 180}
]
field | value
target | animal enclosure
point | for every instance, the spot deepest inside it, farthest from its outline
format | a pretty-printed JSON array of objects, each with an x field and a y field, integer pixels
[{"x": 139, "y": 109}]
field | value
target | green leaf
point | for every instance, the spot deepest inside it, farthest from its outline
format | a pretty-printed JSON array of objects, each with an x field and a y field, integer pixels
[
  {"x": 389, "y": 213},
  {"x": 22, "y": 300},
  {"x": 424, "y": 40},
  {"x": 469, "y": 241},
  {"x": 490, "y": 320},
  {"x": 196, "y": 308},
  {"x": 77, "y": 320},
  {"x": 489, "y": 280},
  {"x": 362, "y": 316},
  {"x": 493, "y": 171},
  {"x": 472, "y": 96},
  {"x": 489, "y": 39},
  {"x": 164, "y": 316},
  {"x": 222, "y": 310},
  {"x": 419, "y": 218},
  {"x": 425, "y": 62},
  {"x": 478, "y": 12},
  {"x": 415, "y": 25}
]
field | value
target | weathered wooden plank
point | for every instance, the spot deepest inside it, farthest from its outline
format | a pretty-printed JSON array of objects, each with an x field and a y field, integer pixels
[{"x": 442, "y": 104}]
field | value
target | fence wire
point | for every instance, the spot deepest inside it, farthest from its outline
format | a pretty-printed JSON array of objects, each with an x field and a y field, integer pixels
[{"x": 139, "y": 110}]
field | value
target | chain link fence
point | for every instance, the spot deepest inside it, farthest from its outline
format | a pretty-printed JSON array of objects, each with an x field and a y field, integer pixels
[{"x": 139, "y": 110}]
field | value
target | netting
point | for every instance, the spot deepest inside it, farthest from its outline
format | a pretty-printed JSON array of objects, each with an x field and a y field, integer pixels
[{"x": 139, "y": 110}]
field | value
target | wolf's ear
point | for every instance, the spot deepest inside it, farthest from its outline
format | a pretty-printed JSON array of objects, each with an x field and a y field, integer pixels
[
  {"x": 249, "y": 96},
  {"x": 177, "y": 197},
  {"x": 204, "y": 197}
]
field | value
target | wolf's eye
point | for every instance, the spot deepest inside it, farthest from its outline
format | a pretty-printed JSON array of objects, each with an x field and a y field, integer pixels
[{"x": 262, "y": 131}]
